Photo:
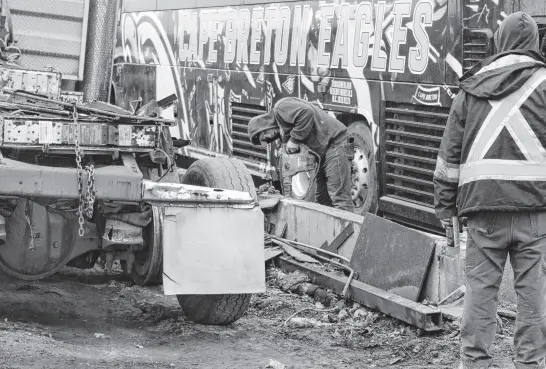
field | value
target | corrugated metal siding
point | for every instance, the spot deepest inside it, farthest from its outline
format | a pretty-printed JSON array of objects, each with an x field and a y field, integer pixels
[
  {"x": 151, "y": 5},
  {"x": 51, "y": 33}
]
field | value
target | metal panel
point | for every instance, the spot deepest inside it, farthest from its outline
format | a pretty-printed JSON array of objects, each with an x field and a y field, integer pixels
[
  {"x": 51, "y": 34},
  {"x": 392, "y": 257},
  {"x": 227, "y": 259},
  {"x": 247, "y": 2},
  {"x": 409, "y": 213},
  {"x": 139, "y": 5},
  {"x": 190, "y": 4}
]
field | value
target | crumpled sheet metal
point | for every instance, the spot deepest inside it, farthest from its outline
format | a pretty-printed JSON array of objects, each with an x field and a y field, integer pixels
[{"x": 174, "y": 192}]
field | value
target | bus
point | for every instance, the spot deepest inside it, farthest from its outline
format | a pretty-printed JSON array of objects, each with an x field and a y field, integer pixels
[{"x": 387, "y": 69}]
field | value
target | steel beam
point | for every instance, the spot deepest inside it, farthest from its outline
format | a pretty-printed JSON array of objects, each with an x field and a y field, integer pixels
[
  {"x": 121, "y": 183},
  {"x": 29, "y": 180},
  {"x": 424, "y": 317},
  {"x": 181, "y": 194}
]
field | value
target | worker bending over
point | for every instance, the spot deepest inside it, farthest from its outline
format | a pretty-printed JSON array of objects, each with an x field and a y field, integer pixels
[
  {"x": 491, "y": 169},
  {"x": 299, "y": 122}
]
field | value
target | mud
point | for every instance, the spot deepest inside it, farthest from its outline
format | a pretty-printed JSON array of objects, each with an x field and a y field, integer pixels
[{"x": 84, "y": 319}]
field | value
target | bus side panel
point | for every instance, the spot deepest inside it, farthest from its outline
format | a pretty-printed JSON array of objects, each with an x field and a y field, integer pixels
[{"x": 413, "y": 120}]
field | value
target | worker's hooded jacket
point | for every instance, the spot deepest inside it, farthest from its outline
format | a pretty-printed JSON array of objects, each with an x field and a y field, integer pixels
[
  {"x": 300, "y": 121},
  {"x": 492, "y": 155}
]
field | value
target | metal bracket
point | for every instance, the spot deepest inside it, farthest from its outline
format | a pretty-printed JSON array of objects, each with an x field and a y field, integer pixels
[
  {"x": 339, "y": 240},
  {"x": 120, "y": 233}
]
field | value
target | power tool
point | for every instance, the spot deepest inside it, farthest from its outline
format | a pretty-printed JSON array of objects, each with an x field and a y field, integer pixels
[{"x": 306, "y": 160}]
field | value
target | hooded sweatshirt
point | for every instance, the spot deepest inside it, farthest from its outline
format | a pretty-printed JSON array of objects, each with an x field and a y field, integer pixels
[
  {"x": 492, "y": 155},
  {"x": 300, "y": 121}
]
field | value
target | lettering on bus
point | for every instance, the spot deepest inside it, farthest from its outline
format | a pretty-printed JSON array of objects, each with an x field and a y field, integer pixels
[
  {"x": 279, "y": 34},
  {"x": 341, "y": 92}
]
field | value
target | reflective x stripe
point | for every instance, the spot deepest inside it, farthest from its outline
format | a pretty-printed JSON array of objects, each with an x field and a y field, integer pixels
[
  {"x": 506, "y": 113},
  {"x": 506, "y": 61},
  {"x": 446, "y": 171}
]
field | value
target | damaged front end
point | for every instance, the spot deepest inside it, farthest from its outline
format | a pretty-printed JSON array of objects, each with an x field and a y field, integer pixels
[{"x": 87, "y": 185}]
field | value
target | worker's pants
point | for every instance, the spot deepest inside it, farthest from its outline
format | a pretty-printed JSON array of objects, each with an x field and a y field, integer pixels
[
  {"x": 492, "y": 236},
  {"x": 334, "y": 180}
]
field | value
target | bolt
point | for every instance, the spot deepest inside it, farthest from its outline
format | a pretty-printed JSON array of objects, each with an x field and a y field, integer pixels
[{"x": 56, "y": 244}]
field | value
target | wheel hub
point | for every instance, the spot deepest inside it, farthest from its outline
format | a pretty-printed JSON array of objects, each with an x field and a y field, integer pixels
[
  {"x": 37, "y": 243},
  {"x": 359, "y": 176}
]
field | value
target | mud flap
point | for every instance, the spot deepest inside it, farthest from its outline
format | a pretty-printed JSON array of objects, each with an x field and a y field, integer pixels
[{"x": 213, "y": 250}]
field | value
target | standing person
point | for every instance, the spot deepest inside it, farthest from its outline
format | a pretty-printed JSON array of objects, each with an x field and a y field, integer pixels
[
  {"x": 492, "y": 170},
  {"x": 299, "y": 122}
]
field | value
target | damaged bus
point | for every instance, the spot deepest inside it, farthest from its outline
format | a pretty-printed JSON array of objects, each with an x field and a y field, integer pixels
[{"x": 387, "y": 69}]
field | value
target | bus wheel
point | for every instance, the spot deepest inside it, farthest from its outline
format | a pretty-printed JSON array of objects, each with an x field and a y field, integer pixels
[{"x": 363, "y": 170}]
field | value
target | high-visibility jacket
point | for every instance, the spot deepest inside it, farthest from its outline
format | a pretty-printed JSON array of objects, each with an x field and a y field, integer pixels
[{"x": 492, "y": 155}]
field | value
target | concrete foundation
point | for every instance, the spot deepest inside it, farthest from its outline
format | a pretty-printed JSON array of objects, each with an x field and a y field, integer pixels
[{"x": 313, "y": 224}]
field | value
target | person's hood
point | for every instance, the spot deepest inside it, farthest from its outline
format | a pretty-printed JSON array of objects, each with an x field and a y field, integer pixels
[
  {"x": 259, "y": 124},
  {"x": 517, "y": 44},
  {"x": 518, "y": 31}
]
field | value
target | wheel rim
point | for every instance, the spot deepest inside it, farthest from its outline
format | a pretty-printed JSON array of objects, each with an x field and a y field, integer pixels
[
  {"x": 300, "y": 184},
  {"x": 360, "y": 178},
  {"x": 147, "y": 263}
]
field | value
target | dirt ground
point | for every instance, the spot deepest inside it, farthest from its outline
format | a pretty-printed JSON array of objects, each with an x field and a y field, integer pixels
[{"x": 84, "y": 319}]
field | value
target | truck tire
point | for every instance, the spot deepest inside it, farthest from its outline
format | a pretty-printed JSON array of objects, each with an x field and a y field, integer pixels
[
  {"x": 227, "y": 174},
  {"x": 363, "y": 171},
  {"x": 214, "y": 309},
  {"x": 223, "y": 173}
]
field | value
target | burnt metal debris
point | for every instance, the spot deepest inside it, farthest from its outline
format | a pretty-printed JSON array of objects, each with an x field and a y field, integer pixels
[{"x": 425, "y": 317}]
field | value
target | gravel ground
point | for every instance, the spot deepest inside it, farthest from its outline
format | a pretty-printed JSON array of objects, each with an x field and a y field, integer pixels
[{"x": 85, "y": 319}]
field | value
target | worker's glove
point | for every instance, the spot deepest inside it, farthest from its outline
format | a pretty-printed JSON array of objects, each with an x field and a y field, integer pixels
[
  {"x": 292, "y": 147},
  {"x": 446, "y": 223}
]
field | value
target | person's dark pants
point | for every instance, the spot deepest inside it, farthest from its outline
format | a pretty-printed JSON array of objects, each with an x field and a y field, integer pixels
[
  {"x": 492, "y": 237},
  {"x": 334, "y": 180}
]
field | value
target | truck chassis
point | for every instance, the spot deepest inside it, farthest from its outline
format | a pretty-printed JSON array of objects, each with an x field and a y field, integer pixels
[{"x": 92, "y": 183}]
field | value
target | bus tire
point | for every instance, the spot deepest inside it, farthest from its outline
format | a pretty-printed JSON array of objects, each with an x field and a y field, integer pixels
[{"x": 363, "y": 169}]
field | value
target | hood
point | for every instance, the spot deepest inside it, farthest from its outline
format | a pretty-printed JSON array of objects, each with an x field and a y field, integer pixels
[
  {"x": 518, "y": 31},
  {"x": 517, "y": 44},
  {"x": 259, "y": 124}
]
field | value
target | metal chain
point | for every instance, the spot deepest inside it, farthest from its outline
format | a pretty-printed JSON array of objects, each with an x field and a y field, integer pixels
[
  {"x": 87, "y": 200},
  {"x": 90, "y": 195}
]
